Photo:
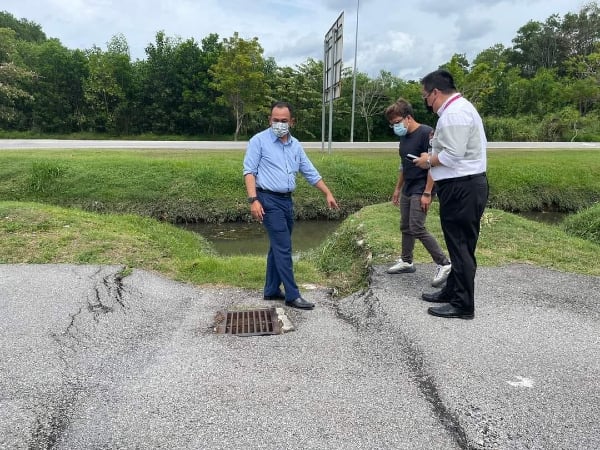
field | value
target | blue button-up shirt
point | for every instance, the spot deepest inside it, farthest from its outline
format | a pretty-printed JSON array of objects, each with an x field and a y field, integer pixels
[{"x": 275, "y": 164}]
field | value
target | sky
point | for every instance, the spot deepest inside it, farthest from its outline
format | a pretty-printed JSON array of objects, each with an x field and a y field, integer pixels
[{"x": 407, "y": 39}]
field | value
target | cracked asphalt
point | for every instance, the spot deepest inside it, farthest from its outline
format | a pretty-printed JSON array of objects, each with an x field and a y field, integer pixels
[{"x": 90, "y": 359}]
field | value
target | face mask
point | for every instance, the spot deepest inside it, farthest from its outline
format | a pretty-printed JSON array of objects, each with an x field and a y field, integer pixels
[
  {"x": 280, "y": 128},
  {"x": 429, "y": 108},
  {"x": 400, "y": 129}
]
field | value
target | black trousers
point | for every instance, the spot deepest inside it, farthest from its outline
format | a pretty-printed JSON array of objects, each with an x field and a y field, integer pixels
[{"x": 462, "y": 202}]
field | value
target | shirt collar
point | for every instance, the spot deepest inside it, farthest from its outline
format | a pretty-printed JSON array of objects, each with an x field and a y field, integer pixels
[
  {"x": 275, "y": 138},
  {"x": 447, "y": 103}
]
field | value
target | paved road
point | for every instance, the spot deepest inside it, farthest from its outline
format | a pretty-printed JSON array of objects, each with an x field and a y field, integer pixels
[
  {"x": 16, "y": 144},
  {"x": 91, "y": 360}
]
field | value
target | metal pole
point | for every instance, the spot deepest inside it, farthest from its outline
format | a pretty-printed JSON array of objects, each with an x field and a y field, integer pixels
[
  {"x": 324, "y": 97},
  {"x": 354, "y": 75},
  {"x": 334, "y": 59}
]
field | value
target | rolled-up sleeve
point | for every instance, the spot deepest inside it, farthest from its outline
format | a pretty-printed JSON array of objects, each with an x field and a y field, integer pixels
[
  {"x": 252, "y": 157},
  {"x": 307, "y": 169}
]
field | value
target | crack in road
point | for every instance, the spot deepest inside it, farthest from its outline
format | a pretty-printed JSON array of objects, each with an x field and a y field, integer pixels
[
  {"x": 111, "y": 288},
  {"x": 50, "y": 427},
  {"x": 373, "y": 317},
  {"x": 55, "y": 419}
]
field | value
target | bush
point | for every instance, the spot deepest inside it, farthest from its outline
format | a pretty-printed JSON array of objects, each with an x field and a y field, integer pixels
[
  {"x": 563, "y": 126},
  {"x": 44, "y": 175},
  {"x": 585, "y": 224},
  {"x": 510, "y": 129}
]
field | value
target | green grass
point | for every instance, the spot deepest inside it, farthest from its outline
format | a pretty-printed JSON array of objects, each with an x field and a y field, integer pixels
[
  {"x": 585, "y": 224},
  {"x": 372, "y": 236},
  {"x": 563, "y": 180},
  {"x": 184, "y": 185},
  {"x": 40, "y": 234},
  {"x": 99, "y": 207},
  {"x": 36, "y": 233}
]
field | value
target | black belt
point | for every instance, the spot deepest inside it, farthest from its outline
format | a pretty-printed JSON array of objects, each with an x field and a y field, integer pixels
[
  {"x": 465, "y": 178},
  {"x": 278, "y": 194}
]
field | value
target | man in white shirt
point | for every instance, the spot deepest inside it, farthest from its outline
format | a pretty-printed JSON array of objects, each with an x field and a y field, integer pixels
[{"x": 458, "y": 164}]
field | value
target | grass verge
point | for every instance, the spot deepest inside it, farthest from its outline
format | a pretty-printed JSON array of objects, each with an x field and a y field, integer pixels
[
  {"x": 371, "y": 236},
  {"x": 36, "y": 233},
  {"x": 42, "y": 234},
  {"x": 207, "y": 186}
]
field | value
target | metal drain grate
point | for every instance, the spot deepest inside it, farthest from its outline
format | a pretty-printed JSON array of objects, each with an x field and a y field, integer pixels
[{"x": 256, "y": 322}]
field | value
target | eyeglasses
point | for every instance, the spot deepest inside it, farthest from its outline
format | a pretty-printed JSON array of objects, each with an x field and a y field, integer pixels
[
  {"x": 397, "y": 122},
  {"x": 426, "y": 96}
]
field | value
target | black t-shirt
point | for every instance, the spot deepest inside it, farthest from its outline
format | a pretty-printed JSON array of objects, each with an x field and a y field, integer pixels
[{"x": 415, "y": 143}]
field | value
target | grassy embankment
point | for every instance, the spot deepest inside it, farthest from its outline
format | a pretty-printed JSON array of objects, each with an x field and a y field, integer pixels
[{"x": 100, "y": 207}]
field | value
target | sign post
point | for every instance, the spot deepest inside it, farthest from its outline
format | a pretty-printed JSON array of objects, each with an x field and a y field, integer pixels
[{"x": 332, "y": 73}]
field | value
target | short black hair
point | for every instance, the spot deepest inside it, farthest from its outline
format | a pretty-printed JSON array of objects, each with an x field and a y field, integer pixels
[
  {"x": 441, "y": 80},
  {"x": 281, "y": 104}
]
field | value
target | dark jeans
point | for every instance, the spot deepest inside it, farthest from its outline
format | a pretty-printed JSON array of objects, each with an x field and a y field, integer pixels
[
  {"x": 279, "y": 223},
  {"x": 462, "y": 203},
  {"x": 412, "y": 227}
]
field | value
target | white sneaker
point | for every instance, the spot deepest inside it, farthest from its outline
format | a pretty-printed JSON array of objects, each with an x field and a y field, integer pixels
[
  {"x": 441, "y": 275},
  {"x": 402, "y": 267}
]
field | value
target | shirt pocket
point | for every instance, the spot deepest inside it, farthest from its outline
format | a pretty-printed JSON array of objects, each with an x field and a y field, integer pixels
[{"x": 293, "y": 164}]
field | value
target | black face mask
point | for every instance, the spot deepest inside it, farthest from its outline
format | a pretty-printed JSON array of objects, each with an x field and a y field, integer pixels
[{"x": 429, "y": 108}]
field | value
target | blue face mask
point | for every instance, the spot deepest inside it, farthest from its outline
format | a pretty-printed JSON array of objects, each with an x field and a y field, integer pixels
[{"x": 400, "y": 129}]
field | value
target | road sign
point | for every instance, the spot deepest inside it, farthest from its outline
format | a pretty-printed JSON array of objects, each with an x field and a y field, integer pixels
[{"x": 333, "y": 58}]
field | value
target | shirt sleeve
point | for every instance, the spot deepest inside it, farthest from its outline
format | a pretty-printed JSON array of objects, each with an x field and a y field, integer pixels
[
  {"x": 252, "y": 157},
  {"x": 452, "y": 139},
  {"x": 306, "y": 168}
]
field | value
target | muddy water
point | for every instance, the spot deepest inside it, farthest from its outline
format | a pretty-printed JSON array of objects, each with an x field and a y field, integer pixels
[
  {"x": 548, "y": 217},
  {"x": 251, "y": 238},
  {"x": 238, "y": 238}
]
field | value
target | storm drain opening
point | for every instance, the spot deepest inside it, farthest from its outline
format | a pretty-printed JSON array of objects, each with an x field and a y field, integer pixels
[{"x": 254, "y": 322}]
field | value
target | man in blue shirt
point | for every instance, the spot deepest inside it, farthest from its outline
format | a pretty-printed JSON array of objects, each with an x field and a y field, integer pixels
[{"x": 273, "y": 158}]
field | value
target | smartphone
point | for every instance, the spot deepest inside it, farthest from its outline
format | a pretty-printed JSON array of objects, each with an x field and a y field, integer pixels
[{"x": 411, "y": 157}]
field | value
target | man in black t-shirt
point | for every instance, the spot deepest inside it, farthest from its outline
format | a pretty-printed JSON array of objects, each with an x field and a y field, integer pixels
[{"x": 413, "y": 192}]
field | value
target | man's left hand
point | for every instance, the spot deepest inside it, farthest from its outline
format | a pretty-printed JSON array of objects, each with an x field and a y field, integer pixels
[{"x": 425, "y": 202}]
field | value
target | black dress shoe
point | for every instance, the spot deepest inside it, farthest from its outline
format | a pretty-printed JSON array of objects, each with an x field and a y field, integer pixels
[
  {"x": 300, "y": 303},
  {"x": 279, "y": 296},
  {"x": 436, "y": 297},
  {"x": 450, "y": 311}
]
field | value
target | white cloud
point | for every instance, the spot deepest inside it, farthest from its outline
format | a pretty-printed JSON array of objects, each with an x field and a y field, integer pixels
[{"x": 406, "y": 39}]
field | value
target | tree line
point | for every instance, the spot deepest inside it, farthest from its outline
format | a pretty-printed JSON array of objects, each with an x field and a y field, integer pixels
[{"x": 546, "y": 87}]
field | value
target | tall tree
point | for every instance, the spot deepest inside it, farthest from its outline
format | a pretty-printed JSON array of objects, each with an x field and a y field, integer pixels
[
  {"x": 239, "y": 76},
  {"x": 583, "y": 84},
  {"x": 581, "y": 32},
  {"x": 371, "y": 100},
  {"x": 539, "y": 46},
  {"x": 210, "y": 117},
  {"x": 458, "y": 66},
  {"x": 307, "y": 82},
  {"x": 187, "y": 66},
  {"x": 161, "y": 92},
  {"x": 125, "y": 111},
  {"x": 107, "y": 86},
  {"x": 23, "y": 28},
  {"x": 12, "y": 80},
  {"x": 58, "y": 92}
]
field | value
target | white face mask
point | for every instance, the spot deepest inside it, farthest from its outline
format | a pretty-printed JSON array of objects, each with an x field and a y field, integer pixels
[{"x": 280, "y": 128}]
